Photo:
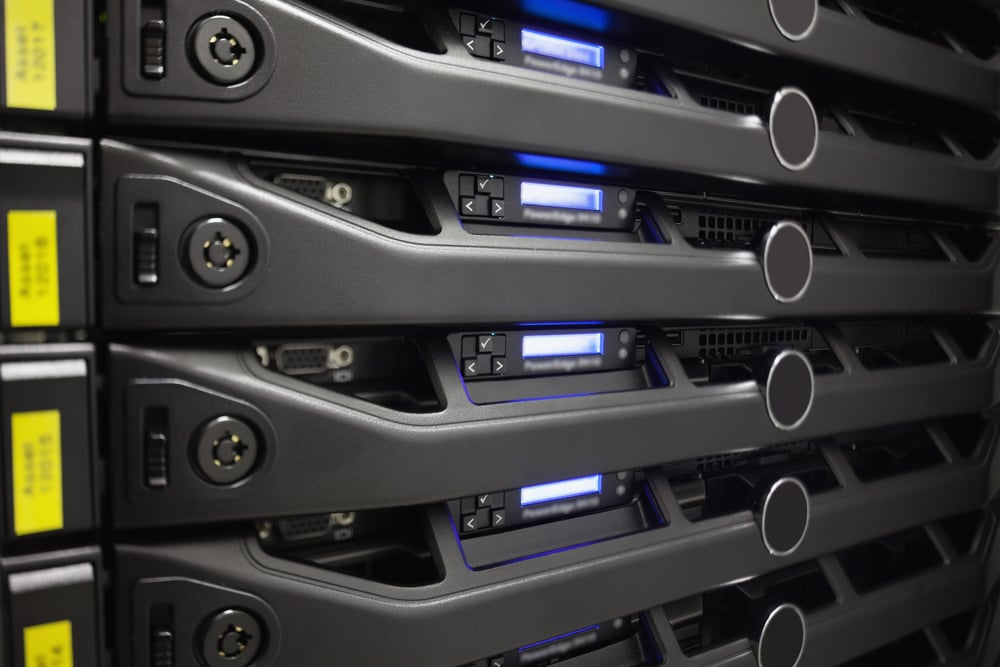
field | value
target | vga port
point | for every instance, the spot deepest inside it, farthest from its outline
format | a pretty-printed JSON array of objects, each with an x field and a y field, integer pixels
[
  {"x": 309, "y": 359},
  {"x": 337, "y": 194}
]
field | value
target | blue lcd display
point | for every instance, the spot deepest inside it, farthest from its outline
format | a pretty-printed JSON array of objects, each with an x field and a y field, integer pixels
[
  {"x": 561, "y": 196},
  {"x": 567, "y": 488},
  {"x": 562, "y": 345},
  {"x": 562, "y": 48}
]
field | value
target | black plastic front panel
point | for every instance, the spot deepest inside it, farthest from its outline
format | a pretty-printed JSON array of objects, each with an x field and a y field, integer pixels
[
  {"x": 375, "y": 275},
  {"x": 654, "y": 132}
]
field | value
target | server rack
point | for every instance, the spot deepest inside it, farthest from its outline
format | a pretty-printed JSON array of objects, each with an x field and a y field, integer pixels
[{"x": 541, "y": 332}]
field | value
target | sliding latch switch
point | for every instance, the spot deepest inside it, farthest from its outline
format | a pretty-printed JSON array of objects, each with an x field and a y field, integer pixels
[
  {"x": 154, "y": 50},
  {"x": 147, "y": 256},
  {"x": 156, "y": 460},
  {"x": 155, "y": 443}
]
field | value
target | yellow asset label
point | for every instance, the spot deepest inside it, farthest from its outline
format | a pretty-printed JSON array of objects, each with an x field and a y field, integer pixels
[
  {"x": 33, "y": 268},
  {"x": 36, "y": 444},
  {"x": 30, "y": 39},
  {"x": 49, "y": 645}
]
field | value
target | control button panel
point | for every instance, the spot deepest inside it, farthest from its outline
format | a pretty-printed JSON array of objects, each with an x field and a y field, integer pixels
[
  {"x": 481, "y": 195},
  {"x": 484, "y": 354},
  {"x": 496, "y": 199},
  {"x": 552, "y": 52},
  {"x": 521, "y": 353},
  {"x": 483, "y": 36},
  {"x": 497, "y": 510}
]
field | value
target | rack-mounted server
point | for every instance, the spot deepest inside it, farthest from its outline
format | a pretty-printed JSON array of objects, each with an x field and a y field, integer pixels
[{"x": 498, "y": 329}]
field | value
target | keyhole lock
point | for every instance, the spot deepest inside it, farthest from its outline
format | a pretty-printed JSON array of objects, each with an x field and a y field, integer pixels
[
  {"x": 223, "y": 49},
  {"x": 225, "y": 450},
  {"x": 218, "y": 252},
  {"x": 231, "y": 638}
]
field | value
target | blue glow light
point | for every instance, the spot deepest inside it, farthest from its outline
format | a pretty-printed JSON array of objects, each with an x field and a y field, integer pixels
[
  {"x": 567, "y": 488},
  {"x": 561, "y": 196},
  {"x": 581, "y": 323},
  {"x": 569, "y": 11},
  {"x": 568, "y": 165},
  {"x": 562, "y": 345},
  {"x": 590, "y": 628},
  {"x": 562, "y": 48}
]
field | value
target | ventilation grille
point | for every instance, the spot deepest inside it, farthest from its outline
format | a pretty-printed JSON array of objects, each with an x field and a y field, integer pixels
[
  {"x": 735, "y": 106},
  {"x": 726, "y": 342},
  {"x": 731, "y": 227}
]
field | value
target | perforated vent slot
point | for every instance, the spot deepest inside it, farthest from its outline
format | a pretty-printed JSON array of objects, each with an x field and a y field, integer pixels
[
  {"x": 886, "y": 453},
  {"x": 972, "y": 242},
  {"x": 979, "y": 146},
  {"x": 969, "y": 335},
  {"x": 729, "y": 227},
  {"x": 892, "y": 345},
  {"x": 718, "y": 617},
  {"x": 887, "y": 240},
  {"x": 958, "y": 629},
  {"x": 965, "y": 432},
  {"x": 733, "y": 226},
  {"x": 735, "y": 354},
  {"x": 957, "y": 24},
  {"x": 731, "y": 460},
  {"x": 712, "y": 493},
  {"x": 896, "y": 557},
  {"x": 717, "y": 93},
  {"x": 901, "y": 17},
  {"x": 906, "y": 127},
  {"x": 963, "y": 529},
  {"x": 912, "y": 650},
  {"x": 728, "y": 343},
  {"x": 399, "y": 22}
]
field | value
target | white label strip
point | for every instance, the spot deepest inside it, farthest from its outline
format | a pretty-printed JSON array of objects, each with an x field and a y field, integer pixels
[
  {"x": 40, "y": 158},
  {"x": 54, "y": 577},
  {"x": 42, "y": 370}
]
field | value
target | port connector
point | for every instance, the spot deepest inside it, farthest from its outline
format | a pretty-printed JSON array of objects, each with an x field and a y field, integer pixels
[
  {"x": 338, "y": 194},
  {"x": 341, "y": 356},
  {"x": 308, "y": 359}
]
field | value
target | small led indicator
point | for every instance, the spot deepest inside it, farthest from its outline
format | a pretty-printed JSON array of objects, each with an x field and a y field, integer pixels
[
  {"x": 562, "y": 48},
  {"x": 561, "y": 196},
  {"x": 567, "y": 488}
]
